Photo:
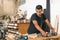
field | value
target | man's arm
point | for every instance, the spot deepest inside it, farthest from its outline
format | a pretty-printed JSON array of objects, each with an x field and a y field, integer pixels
[
  {"x": 49, "y": 25},
  {"x": 39, "y": 28}
]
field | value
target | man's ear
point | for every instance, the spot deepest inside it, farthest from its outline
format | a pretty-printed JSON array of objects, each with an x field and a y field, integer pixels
[{"x": 42, "y": 11}]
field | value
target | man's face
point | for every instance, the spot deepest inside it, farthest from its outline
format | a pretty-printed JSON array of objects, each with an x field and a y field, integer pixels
[{"x": 39, "y": 11}]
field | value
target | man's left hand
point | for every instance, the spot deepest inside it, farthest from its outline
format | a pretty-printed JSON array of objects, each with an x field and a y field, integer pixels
[{"x": 53, "y": 30}]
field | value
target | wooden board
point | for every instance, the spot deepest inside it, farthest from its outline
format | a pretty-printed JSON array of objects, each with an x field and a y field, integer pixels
[
  {"x": 23, "y": 27},
  {"x": 39, "y": 38},
  {"x": 46, "y": 38}
]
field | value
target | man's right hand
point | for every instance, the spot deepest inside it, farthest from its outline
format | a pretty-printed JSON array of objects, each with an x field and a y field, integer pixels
[{"x": 43, "y": 34}]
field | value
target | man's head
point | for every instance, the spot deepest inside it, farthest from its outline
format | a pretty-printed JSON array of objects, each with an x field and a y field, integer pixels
[{"x": 39, "y": 9}]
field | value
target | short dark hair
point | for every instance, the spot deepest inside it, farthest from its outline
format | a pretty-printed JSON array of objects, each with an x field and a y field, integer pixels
[{"x": 39, "y": 7}]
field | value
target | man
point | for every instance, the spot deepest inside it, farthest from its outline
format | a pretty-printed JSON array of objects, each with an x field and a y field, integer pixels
[{"x": 36, "y": 22}]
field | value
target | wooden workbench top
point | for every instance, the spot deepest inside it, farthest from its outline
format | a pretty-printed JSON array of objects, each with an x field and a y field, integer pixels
[
  {"x": 45, "y": 38},
  {"x": 38, "y": 38}
]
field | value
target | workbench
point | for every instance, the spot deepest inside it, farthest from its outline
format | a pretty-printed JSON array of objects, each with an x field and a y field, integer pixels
[
  {"x": 38, "y": 38},
  {"x": 46, "y": 38}
]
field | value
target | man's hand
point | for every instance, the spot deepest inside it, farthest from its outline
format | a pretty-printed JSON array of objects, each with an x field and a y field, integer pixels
[
  {"x": 53, "y": 30},
  {"x": 44, "y": 33}
]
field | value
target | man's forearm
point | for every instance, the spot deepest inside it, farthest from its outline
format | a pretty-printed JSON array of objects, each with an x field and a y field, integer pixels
[
  {"x": 49, "y": 25},
  {"x": 39, "y": 28}
]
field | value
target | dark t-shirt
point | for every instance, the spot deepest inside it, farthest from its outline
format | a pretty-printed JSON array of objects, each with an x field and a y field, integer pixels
[{"x": 40, "y": 21}]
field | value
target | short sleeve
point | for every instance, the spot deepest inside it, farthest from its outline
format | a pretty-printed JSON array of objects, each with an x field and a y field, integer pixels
[
  {"x": 33, "y": 17},
  {"x": 44, "y": 16}
]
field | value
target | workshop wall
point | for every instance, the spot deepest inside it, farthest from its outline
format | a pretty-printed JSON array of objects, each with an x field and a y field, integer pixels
[{"x": 30, "y": 5}]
